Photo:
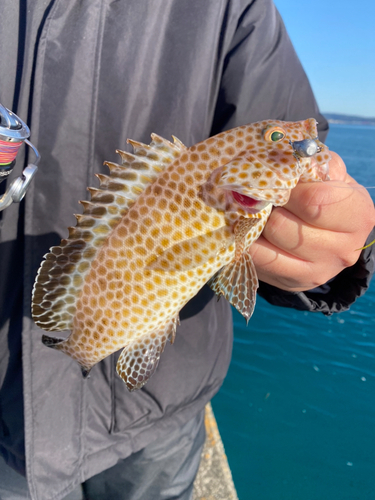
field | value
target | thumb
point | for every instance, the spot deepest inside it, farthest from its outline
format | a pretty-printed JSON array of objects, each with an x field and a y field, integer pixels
[{"x": 337, "y": 168}]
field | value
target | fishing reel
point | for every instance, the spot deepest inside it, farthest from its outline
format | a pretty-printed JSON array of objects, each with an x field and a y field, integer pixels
[{"x": 13, "y": 133}]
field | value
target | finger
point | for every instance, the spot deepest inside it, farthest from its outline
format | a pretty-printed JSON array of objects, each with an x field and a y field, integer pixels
[
  {"x": 287, "y": 233},
  {"x": 316, "y": 234},
  {"x": 287, "y": 272},
  {"x": 337, "y": 168},
  {"x": 278, "y": 268},
  {"x": 333, "y": 205}
]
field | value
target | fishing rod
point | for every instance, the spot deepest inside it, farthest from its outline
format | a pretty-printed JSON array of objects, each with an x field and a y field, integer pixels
[{"x": 13, "y": 133}]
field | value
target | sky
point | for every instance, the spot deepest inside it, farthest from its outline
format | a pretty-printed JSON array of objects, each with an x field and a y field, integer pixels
[{"x": 335, "y": 41}]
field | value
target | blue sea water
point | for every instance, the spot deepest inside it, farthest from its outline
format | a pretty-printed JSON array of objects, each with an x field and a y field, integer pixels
[{"x": 297, "y": 409}]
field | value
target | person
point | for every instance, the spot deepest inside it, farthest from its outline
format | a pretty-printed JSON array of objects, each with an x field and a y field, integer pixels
[{"x": 86, "y": 76}]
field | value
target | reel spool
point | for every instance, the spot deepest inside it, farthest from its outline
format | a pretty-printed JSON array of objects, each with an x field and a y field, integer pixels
[{"x": 13, "y": 133}]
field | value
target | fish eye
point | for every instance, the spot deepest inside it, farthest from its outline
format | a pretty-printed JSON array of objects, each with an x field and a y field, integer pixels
[{"x": 274, "y": 134}]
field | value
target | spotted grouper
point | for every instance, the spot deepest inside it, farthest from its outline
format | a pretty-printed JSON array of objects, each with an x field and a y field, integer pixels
[{"x": 166, "y": 221}]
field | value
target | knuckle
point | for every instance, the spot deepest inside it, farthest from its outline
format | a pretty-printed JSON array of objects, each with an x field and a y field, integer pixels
[
  {"x": 304, "y": 278},
  {"x": 350, "y": 259}
]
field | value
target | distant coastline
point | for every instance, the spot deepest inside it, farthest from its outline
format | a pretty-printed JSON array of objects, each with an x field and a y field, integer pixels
[{"x": 349, "y": 119}]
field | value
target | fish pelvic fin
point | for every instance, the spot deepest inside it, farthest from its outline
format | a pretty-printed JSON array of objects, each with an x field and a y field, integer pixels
[
  {"x": 61, "y": 275},
  {"x": 139, "y": 360}
]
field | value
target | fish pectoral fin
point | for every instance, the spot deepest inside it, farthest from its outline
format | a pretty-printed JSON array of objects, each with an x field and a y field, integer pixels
[
  {"x": 139, "y": 359},
  {"x": 245, "y": 232},
  {"x": 193, "y": 252},
  {"x": 238, "y": 282}
]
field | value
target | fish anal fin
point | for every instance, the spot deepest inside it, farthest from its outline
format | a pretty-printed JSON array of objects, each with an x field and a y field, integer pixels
[
  {"x": 238, "y": 282},
  {"x": 194, "y": 252},
  {"x": 139, "y": 359}
]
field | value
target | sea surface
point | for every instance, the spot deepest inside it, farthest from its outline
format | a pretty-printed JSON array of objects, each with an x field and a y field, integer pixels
[{"x": 297, "y": 409}]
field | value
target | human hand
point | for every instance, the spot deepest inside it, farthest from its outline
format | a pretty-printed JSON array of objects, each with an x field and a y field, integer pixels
[{"x": 316, "y": 234}]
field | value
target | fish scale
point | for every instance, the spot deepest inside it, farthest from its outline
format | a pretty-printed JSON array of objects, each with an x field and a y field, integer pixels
[{"x": 166, "y": 221}]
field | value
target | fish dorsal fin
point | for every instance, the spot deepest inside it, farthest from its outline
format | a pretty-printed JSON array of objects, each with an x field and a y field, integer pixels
[{"x": 61, "y": 275}]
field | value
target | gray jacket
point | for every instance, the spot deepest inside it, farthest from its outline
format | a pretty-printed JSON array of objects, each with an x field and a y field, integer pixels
[{"x": 86, "y": 75}]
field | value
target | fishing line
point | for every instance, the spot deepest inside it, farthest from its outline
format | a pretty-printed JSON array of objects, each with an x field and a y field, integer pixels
[
  {"x": 355, "y": 187},
  {"x": 8, "y": 151},
  {"x": 337, "y": 187}
]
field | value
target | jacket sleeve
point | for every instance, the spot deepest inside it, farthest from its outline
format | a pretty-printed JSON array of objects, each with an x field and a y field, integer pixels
[
  {"x": 263, "y": 78},
  {"x": 335, "y": 296}
]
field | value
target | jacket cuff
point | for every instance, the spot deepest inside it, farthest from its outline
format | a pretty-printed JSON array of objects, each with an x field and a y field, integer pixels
[{"x": 337, "y": 295}]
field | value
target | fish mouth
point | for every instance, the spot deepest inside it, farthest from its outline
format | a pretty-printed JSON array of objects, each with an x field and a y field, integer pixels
[
  {"x": 251, "y": 205},
  {"x": 244, "y": 200}
]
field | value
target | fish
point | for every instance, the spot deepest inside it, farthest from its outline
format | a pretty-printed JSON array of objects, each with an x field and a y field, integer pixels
[{"x": 166, "y": 221}]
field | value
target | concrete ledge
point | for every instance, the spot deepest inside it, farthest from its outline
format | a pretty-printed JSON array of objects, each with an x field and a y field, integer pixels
[{"x": 214, "y": 480}]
